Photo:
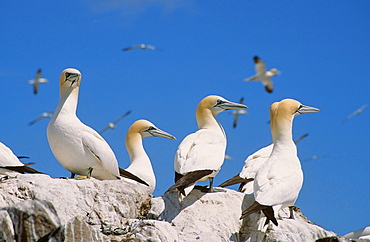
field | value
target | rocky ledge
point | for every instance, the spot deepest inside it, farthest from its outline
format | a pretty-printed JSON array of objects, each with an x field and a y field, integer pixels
[{"x": 41, "y": 208}]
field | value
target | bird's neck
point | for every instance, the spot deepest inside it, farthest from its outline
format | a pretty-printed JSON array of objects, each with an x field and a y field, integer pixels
[
  {"x": 281, "y": 130},
  {"x": 207, "y": 120},
  {"x": 135, "y": 149},
  {"x": 68, "y": 102}
]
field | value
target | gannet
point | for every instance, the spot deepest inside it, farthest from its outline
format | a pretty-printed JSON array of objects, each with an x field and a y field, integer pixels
[
  {"x": 279, "y": 180},
  {"x": 358, "y": 111},
  {"x": 9, "y": 163},
  {"x": 251, "y": 165},
  {"x": 141, "y": 46},
  {"x": 140, "y": 164},
  {"x": 263, "y": 75},
  {"x": 200, "y": 155},
  {"x": 43, "y": 115},
  {"x": 238, "y": 112},
  {"x": 113, "y": 124},
  {"x": 36, "y": 82},
  {"x": 77, "y": 147}
]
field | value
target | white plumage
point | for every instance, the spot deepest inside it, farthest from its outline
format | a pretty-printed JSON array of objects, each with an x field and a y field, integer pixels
[
  {"x": 77, "y": 147},
  {"x": 140, "y": 164},
  {"x": 200, "y": 155},
  {"x": 279, "y": 180}
]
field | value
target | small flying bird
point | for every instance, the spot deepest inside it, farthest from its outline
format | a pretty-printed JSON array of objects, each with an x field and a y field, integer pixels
[
  {"x": 113, "y": 124},
  {"x": 36, "y": 82},
  {"x": 301, "y": 138},
  {"x": 43, "y": 115},
  {"x": 141, "y": 46},
  {"x": 200, "y": 155},
  {"x": 10, "y": 164},
  {"x": 358, "y": 111},
  {"x": 263, "y": 75},
  {"x": 238, "y": 112}
]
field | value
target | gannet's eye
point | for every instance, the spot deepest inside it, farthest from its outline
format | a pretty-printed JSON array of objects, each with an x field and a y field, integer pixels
[
  {"x": 151, "y": 128},
  {"x": 219, "y": 102}
]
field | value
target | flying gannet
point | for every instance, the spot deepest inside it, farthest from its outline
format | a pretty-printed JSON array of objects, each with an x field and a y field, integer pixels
[
  {"x": 251, "y": 165},
  {"x": 200, "y": 155},
  {"x": 279, "y": 180},
  {"x": 140, "y": 164},
  {"x": 140, "y": 46},
  {"x": 263, "y": 75},
  {"x": 238, "y": 112},
  {"x": 76, "y": 146},
  {"x": 43, "y": 115},
  {"x": 113, "y": 124},
  {"x": 10, "y": 164},
  {"x": 356, "y": 112},
  {"x": 36, "y": 81}
]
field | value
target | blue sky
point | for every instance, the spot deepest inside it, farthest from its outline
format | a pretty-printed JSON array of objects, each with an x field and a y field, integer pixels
[{"x": 321, "y": 47}]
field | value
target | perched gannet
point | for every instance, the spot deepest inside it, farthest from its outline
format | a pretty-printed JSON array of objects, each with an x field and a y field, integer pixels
[
  {"x": 140, "y": 164},
  {"x": 9, "y": 163},
  {"x": 200, "y": 155},
  {"x": 358, "y": 111},
  {"x": 263, "y": 75},
  {"x": 279, "y": 180},
  {"x": 113, "y": 124},
  {"x": 251, "y": 165},
  {"x": 36, "y": 82},
  {"x": 77, "y": 147},
  {"x": 43, "y": 115},
  {"x": 238, "y": 112},
  {"x": 140, "y": 46}
]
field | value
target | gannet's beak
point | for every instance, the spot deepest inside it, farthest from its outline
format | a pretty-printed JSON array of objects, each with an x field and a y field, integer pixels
[
  {"x": 72, "y": 77},
  {"x": 154, "y": 131},
  {"x": 226, "y": 105},
  {"x": 305, "y": 109}
]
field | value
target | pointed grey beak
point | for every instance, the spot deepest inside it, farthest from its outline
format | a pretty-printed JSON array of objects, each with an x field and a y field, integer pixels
[
  {"x": 230, "y": 105},
  {"x": 305, "y": 109},
  {"x": 159, "y": 133}
]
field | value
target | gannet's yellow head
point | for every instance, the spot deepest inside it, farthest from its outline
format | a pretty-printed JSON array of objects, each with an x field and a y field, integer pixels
[
  {"x": 147, "y": 129},
  {"x": 217, "y": 104},
  {"x": 283, "y": 112},
  {"x": 291, "y": 107},
  {"x": 70, "y": 77}
]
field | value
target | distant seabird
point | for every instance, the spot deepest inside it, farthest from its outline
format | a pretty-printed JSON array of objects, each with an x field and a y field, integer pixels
[
  {"x": 238, "y": 112},
  {"x": 140, "y": 164},
  {"x": 43, "y": 115},
  {"x": 36, "y": 82},
  {"x": 9, "y": 163},
  {"x": 77, "y": 147},
  {"x": 200, "y": 155},
  {"x": 113, "y": 124},
  {"x": 279, "y": 180},
  {"x": 263, "y": 75},
  {"x": 358, "y": 111},
  {"x": 140, "y": 46}
]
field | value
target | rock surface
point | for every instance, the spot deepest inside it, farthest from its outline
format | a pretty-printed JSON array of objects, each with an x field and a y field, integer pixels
[{"x": 40, "y": 208}]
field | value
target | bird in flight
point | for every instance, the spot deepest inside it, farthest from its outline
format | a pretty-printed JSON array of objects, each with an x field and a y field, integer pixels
[
  {"x": 262, "y": 75},
  {"x": 43, "y": 115},
  {"x": 237, "y": 112},
  {"x": 358, "y": 111},
  {"x": 141, "y": 46},
  {"x": 36, "y": 81},
  {"x": 113, "y": 124}
]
